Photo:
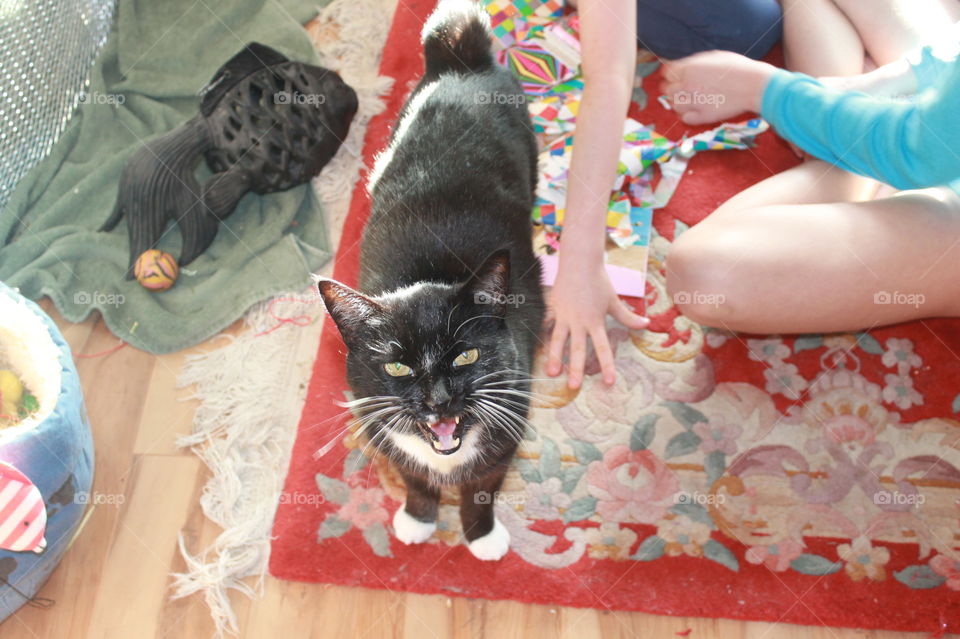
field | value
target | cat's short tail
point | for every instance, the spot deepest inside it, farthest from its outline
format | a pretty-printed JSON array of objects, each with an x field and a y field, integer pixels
[{"x": 457, "y": 38}]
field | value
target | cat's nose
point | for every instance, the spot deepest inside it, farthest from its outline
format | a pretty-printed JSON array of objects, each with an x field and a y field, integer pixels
[{"x": 438, "y": 396}]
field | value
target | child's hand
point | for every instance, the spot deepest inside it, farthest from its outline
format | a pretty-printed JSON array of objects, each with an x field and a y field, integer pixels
[
  {"x": 715, "y": 86},
  {"x": 580, "y": 301}
]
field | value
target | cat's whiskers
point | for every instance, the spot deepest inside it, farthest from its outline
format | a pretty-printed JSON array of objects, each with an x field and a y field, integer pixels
[
  {"x": 498, "y": 401},
  {"x": 504, "y": 407},
  {"x": 346, "y": 414},
  {"x": 527, "y": 380},
  {"x": 518, "y": 416},
  {"x": 523, "y": 374},
  {"x": 511, "y": 392},
  {"x": 482, "y": 384},
  {"x": 450, "y": 314},
  {"x": 495, "y": 423},
  {"x": 513, "y": 385},
  {"x": 511, "y": 421},
  {"x": 401, "y": 419},
  {"x": 502, "y": 371},
  {"x": 490, "y": 419},
  {"x": 323, "y": 422},
  {"x": 362, "y": 421},
  {"x": 349, "y": 405},
  {"x": 514, "y": 403},
  {"x": 363, "y": 401},
  {"x": 521, "y": 404},
  {"x": 385, "y": 429},
  {"x": 383, "y": 413},
  {"x": 483, "y": 434},
  {"x": 405, "y": 420}
]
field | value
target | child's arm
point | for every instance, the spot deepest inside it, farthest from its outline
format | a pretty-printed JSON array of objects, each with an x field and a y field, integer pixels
[
  {"x": 582, "y": 295},
  {"x": 894, "y": 80},
  {"x": 908, "y": 144}
]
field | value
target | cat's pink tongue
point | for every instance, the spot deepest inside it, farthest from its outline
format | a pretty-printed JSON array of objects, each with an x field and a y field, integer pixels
[{"x": 443, "y": 429}]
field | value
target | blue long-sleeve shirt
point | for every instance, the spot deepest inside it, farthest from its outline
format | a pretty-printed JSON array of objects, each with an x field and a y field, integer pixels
[{"x": 908, "y": 144}]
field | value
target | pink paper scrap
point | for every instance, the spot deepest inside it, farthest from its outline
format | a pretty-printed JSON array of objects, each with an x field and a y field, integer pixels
[{"x": 626, "y": 281}]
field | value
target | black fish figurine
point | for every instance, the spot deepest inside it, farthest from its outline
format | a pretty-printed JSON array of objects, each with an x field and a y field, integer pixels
[{"x": 266, "y": 124}]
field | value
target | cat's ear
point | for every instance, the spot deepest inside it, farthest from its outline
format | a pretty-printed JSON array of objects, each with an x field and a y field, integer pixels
[
  {"x": 490, "y": 285},
  {"x": 353, "y": 312}
]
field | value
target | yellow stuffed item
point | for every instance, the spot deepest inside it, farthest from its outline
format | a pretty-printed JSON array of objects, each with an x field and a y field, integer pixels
[
  {"x": 11, "y": 392},
  {"x": 156, "y": 270}
]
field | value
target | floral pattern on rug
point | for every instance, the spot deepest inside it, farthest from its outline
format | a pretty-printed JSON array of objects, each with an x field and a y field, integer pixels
[{"x": 671, "y": 461}]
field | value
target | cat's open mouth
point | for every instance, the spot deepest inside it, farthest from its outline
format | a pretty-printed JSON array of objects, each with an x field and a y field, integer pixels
[{"x": 445, "y": 435}]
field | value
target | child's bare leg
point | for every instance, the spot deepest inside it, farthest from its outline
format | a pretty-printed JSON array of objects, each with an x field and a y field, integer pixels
[
  {"x": 759, "y": 266},
  {"x": 807, "y": 250},
  {"x": 819, "y": 40},
  {"x": 814, "y": 182},
  {"x": 835, "y": 37},
  {"x": 889, "y": 29}
]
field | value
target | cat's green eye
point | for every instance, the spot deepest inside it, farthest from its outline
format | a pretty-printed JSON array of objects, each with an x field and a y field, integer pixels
[
  {"x": 467, "y": 357},
  {"x": 396, "y": 369}
]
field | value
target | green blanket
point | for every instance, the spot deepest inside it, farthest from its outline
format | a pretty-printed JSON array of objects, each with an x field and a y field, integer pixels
[{"x": 145, "y": 82}]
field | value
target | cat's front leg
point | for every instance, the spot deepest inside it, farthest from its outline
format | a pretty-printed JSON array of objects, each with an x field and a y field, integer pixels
[
  {"x": 487, "y": 538},
  {"x": 415, "y": 521}
]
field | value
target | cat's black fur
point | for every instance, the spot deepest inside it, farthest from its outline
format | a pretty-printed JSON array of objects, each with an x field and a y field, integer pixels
[{"x": 450, "y": 215}]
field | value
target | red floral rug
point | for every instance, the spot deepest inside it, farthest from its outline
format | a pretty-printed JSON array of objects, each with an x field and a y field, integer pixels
[{"x": 810, "y": 479}]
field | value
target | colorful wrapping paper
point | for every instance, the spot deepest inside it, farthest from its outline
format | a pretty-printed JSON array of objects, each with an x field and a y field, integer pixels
[
  {"x": 512, "y": 20},
  {"x": 555, "y": 113},
  {"x": 633, "y": 198},
  {"x": 540, "y": 45},
  {"x": 543, "y": 57}
]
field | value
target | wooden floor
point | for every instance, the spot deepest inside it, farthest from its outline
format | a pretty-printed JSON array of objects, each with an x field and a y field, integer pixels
[{"x": 114, "y": 582}]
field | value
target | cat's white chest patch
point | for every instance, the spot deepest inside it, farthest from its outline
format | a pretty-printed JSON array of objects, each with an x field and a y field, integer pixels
[{"x": 424, "y": 455}]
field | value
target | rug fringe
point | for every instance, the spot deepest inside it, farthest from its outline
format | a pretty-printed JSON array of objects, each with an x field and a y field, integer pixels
[
  {"x": 243, "y": 431},
  {"x": 249, "y": 390},
  {"x": 362, "y": 28}
]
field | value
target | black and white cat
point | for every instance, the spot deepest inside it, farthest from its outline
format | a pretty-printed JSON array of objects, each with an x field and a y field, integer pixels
[{"x": 442, "y": 331}]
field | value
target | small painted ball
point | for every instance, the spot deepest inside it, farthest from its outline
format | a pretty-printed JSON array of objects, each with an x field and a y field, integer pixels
[{"x": 156, "y": 270}]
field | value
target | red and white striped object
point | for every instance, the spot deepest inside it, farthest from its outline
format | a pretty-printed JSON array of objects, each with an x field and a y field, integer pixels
[{"x": 23, "y": 516}]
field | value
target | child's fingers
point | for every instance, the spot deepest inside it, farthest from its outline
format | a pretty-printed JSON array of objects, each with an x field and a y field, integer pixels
[
  {"x": 622, "y": 313},
  {"x": 557, "y": 341},
  {"x": 578, "y": 356},
  {"x": 696, "y": 117},
  {"x": 669, "y": 74},
  {"x": 604, "y": 354},
  {"x": 671, "y": 89},
  {"x": 549, "y": 315},
  {"x": 672, "y": 71},
  {"x": 664, "y": 88}
]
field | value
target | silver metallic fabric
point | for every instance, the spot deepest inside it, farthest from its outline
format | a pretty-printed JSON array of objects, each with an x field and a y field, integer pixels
[{"x": 47, "y": 48}]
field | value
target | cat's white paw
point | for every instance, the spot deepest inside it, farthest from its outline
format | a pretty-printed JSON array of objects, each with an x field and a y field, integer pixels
[
  {"x": 493, "y": 545},
  {"x": 409, "y": 530}
]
